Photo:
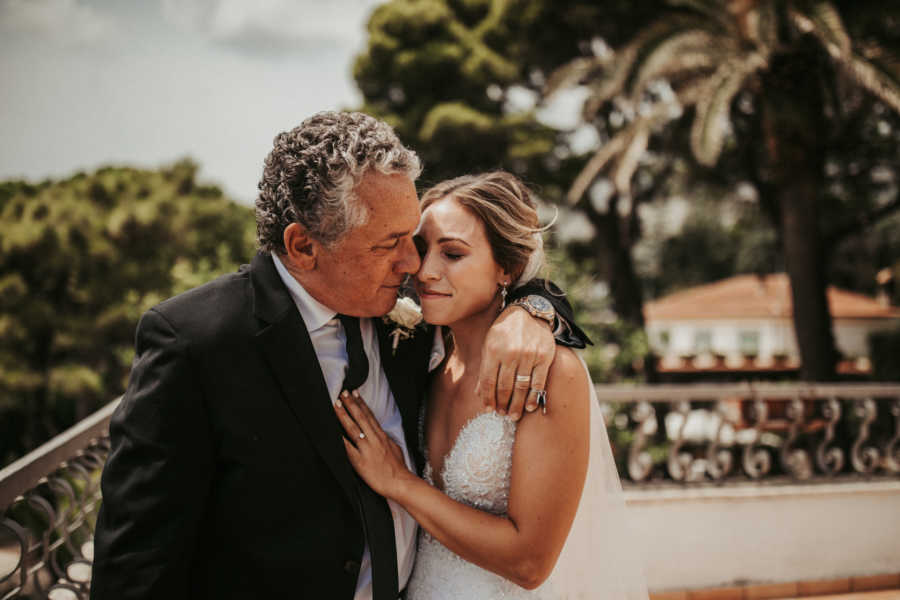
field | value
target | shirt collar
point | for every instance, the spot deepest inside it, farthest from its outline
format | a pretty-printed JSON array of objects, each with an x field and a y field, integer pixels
[{"x": 314, "y": 313}]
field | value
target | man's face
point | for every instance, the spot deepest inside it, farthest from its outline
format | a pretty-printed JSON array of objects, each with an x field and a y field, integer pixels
[{"x": 365, "y": 269}]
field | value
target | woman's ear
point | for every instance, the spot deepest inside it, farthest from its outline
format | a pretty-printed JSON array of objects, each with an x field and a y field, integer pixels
[
  {"x": 300, "y": 249},
  {"x": 507, "y": 276}
]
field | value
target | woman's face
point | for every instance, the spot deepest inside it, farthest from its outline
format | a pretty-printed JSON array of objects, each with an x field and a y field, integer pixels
[{"x": 458, "y": 277}]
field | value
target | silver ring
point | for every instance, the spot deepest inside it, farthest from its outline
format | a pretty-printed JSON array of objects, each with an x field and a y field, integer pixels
[
  {"x": 362, "y": 436},
  {"x": 523, "y": 378}
]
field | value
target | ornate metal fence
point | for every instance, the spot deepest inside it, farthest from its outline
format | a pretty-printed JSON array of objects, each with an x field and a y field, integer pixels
[
  {"x": 49, "y": 501},
  {"x": 776, "y": 432},
  {"x": 681, "y": 434}
]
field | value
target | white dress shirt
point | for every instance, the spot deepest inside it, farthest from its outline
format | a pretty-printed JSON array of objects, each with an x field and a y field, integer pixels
[{"x": 329, "y": 342}]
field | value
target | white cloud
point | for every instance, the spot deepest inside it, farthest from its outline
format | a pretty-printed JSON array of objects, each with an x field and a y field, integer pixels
[
  {"x": 270, "y": 24},
  {"x": 64, "y": 22}
]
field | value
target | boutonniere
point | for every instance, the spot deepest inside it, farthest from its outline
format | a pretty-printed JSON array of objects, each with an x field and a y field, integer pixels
[{"x": 406, "y": 316}]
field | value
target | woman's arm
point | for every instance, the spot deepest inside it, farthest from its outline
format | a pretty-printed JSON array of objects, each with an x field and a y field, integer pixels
[{"x": 549, "y": 465}]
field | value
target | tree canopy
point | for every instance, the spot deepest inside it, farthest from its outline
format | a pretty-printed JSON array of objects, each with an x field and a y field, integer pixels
[
  {"x": 794, "y": 99},
  {"x": 80, "y": 260}
]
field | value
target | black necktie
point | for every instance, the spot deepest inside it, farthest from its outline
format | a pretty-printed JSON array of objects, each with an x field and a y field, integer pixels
[
  {"x": 358, "y": 364},
  {"x": 377, "y": 520}
]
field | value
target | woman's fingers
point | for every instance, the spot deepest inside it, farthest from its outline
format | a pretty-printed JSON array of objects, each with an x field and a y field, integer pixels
[
  {"x": 538, "y": 385},
  {"x": 520, "y": 391},
  {"x": 351, "y": 427},
  {"x": 363, "y": 416},
  {"x": 505, "y": 381},
  {"x": 352, "y": 452}
]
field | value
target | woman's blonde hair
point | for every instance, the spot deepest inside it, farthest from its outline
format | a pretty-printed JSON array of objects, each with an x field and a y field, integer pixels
[{"x": 509, "y": 213}]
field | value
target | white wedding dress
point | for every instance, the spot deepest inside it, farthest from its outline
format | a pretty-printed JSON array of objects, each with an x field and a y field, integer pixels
[
  {"x": 476, "y": 472},
  {"x": 599, "y": 560}
]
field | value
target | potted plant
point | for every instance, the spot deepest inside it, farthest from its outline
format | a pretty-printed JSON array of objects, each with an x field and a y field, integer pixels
[
  {"x": 719, "y": 360},
  {"x": 779, "y": 360},
  {"x": 749, "y": 359}
]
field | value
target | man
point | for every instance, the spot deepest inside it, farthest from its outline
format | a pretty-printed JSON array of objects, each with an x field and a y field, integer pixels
[{"x": 227, "y": 477}]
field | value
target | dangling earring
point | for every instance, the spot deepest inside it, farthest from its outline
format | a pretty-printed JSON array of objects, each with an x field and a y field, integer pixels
[{"x": 502, "y": 296}]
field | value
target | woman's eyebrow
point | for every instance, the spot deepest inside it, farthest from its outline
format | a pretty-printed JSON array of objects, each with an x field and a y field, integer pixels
[{"x": 453, "y": 239}]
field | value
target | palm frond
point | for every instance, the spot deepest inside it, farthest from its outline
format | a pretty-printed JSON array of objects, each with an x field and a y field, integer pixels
[
  {"x": 573, "y": 73},
  {"x": 625, "y": 148},
  {"x": 614, "y": 81},
  {"x": 827, "y": 19},
  {"x": 717, "y": 10},
  {"x": 713, "y": 108},
  {"x": 593, "y": 167},
  {"x": 692, "y": 90},
  {"x": 690, "y": 50},
  {"x": 876, "y": 76},
  {"x": 825, "y": 23},
  {"x": 765, "y": 30},
  {"x": 630, "y": 158}
]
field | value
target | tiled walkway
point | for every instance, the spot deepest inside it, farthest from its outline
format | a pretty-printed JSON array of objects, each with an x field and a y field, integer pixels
[
  {"x": 879, "y": 595},
  {"x": 872, "y": 587}
]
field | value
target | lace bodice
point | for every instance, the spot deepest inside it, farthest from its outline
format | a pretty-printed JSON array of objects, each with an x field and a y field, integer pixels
[{"x": 476, "y": 472}]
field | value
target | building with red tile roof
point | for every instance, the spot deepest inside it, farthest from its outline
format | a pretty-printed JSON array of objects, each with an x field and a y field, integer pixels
[{"x": 745, "y": 322}]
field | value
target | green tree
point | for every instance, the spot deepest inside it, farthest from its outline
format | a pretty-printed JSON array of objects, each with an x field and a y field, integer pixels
[
  {"x": 80, "y": 260},
  {"x": 795, "y": 65},
  {"x": 458, "y": 80}
]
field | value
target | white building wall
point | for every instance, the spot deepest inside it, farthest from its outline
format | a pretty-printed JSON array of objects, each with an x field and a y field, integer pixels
[
  {"x": 711, "y": 537},
  {"x": 851, "y": 336},
  {"x": 775, "y": 336}
]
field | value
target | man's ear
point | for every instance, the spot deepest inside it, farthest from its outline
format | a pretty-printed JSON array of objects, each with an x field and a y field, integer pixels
[{"x": 300, "y": 249}]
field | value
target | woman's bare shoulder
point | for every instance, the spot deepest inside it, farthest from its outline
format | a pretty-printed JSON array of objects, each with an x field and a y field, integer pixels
[{"x": 568, "y": 380}]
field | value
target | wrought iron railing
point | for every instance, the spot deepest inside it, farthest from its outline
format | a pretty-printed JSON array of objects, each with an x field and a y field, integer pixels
[
  {"x": 48, "y": 502},
  {"x": 777, "y": 432},
  {"x": 680, "y": 434}
]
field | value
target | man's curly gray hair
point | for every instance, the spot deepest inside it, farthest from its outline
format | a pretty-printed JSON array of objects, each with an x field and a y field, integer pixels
[{"x": 312, "y": 171}]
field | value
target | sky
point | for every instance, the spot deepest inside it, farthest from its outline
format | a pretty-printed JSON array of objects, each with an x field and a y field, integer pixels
[{"x": 88, "y": 83}]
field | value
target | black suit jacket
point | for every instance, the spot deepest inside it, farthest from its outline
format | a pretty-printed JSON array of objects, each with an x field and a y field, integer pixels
[{"x": 227, "y": 477}]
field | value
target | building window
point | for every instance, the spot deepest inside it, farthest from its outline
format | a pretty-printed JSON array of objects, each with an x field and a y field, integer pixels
[
  {"x": 748, "y": 343},
  {"x": 702, "y": 341}
]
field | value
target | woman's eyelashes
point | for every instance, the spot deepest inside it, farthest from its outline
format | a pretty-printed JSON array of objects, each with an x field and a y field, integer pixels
[
  {"x": 449, "y": 252},
  {"x": 452, "y": 251}
]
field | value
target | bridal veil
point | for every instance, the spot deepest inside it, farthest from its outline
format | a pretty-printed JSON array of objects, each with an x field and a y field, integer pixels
[{"x": 601, "y": 558}]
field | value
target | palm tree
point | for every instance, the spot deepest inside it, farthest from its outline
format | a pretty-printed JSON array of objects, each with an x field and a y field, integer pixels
[{"x": 790, "y": 61}]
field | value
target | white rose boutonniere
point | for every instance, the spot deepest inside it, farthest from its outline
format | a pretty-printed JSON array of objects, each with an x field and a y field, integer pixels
[{"x": 405, "y": 315}]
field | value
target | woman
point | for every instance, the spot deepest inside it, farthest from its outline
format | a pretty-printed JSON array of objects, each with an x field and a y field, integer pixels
[{"x": 498, "y": 497}]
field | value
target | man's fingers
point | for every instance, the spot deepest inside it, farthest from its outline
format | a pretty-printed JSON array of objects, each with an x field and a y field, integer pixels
[
  {"x": 538, "y": 384},
  {"x": 486, "y": 387},
  {"x": 505, "y": 379}
]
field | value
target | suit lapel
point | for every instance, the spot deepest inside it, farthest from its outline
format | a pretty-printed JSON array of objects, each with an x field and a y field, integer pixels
[
  {"x": 285, "y": 343},
  {"x": 402, "y": 379}
]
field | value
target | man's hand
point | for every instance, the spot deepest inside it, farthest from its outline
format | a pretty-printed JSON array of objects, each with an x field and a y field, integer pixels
[{"x": 517, "y": 345}]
